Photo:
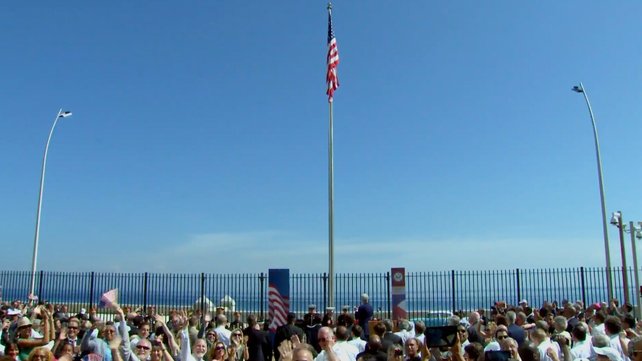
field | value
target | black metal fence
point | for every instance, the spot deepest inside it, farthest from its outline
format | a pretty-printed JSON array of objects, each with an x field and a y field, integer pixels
[{"x": 425, "y": 291}]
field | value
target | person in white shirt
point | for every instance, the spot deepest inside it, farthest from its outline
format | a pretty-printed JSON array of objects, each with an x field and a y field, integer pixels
[
  {"x": 222, "y": 333},
  {"x": 598, "y": 324},
  {"x": 360, "y": 344},
  {"x": 548, "y": 351},
  {"x": 613, "y": 328},
  {"x": 329, "y": 349},
  {"x": 581, "y": 345},
  {"x": 342, "y": 335}
]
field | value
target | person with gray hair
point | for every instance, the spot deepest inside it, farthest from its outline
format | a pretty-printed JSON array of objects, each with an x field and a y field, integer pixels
[
  {"x": 330, "y": 351},
  {"x": 600, "y": 340},
  {"x": 454, "y": 320},
  {"x": 560, "y": 323},
  {"x": 388, "y": 338},
  {"x": 515, "y": 331},
  {"x": 406, "y": 330},
  {"x": 364, "y": 315}
]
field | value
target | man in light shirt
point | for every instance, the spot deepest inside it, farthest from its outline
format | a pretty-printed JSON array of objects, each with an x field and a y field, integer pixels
[{"x": 329, "y": 349}]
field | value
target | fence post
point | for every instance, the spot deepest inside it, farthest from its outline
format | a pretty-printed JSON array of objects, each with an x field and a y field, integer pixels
[
  {"x": 388, "y": 293},
  {"x": 262, "y": 293},
  {"x": 519, "y": 289},
  {"x": 145, "y": 294},
  {"x": 325, "y": 290},
  {"x": 91, "y": 290},
  {"x": 583, "y": 286},
  {"x": 203, "y": 294},
  {"x": 42, "y": 276},
  {"x": 452, "y": 285}
]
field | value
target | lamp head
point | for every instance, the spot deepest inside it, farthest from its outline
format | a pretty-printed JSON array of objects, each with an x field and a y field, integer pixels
[
  {"x": 578, "y": 89},
  {"x": 638, "y": 230},
  {"x": 615, "y": 218}
]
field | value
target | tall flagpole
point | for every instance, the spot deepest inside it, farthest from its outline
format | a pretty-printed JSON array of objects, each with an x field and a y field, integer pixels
[
  {"x": 331, "y": 211},
  {"x": 333, "y": 83}
]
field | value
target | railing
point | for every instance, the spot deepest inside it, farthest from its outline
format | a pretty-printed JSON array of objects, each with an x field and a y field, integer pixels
[{"x": 425, "y": 291}]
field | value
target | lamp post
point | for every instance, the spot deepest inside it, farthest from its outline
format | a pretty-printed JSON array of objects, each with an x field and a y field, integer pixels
[
  {"x": 34, "y": 260},
  {"x": 616, "y": 220},
  {"x": 636, "y": 232},
  {"x": 607, "y": 253}
]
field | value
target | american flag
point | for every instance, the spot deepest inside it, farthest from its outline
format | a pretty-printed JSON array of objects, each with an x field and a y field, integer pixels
[
  {"x": 109, "y": 298},
  {"x": 278, "y": 297},
  {"x": 331, "y": 78}
]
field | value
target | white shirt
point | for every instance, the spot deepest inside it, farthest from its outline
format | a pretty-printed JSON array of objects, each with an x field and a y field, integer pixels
[
  {"x": 599, "y": 329},
  {"x": 350, "y": 349},
  {"x": 617, "y": 345},
  {"x": 341, "y": 354},
  {"x": 405, "y": 335},
  {"x": 582, "y": 349},
  {"x": 359, "y": 344},
  {"x": 223, "y": 335},
  {"x": 543, "y": 347}
]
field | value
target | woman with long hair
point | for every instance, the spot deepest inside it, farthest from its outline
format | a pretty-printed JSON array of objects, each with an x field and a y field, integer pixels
[
  {"x": 40, "y": 354},
  {"x": 218, "y": 352}
]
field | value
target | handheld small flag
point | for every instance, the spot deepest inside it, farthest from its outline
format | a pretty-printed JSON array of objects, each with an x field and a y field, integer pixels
[
  {"x": 64, "y": 114},
  {"x": 109, "y": 298}
]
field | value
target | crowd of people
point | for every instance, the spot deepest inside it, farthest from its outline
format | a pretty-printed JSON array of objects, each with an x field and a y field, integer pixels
[{"x": 550, "y": 332}]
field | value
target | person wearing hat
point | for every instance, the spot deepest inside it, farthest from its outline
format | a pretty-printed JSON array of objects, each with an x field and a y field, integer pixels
[
  {"x": 328, "y": 317},
  {"x": 309, "y": 317},
  {"x": 26, "y": 343},
  {"x": 345, "y": 318},
  {"x": 607, "y": 354}
]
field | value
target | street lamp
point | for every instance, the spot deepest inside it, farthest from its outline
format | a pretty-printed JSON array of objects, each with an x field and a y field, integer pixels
[
  {"x": 607, "y": 253},
  {"x": 34, "y": 260},
  {"x": 636, "y": 232},
  {"x": 616, "y": 220}
]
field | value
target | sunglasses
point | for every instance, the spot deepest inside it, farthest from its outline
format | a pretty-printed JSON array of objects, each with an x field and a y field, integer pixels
[
  {"x": 219, "y": 348},
  {"x": 502, "y": 337},
  {"x": 72, "y": 327},
  {"x": 143, "y": 347}
]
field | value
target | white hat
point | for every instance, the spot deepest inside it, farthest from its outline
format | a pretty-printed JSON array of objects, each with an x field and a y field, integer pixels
[
  {"x": 24, "y": 321},
  {"x": 523, "y": 301},
  {"x": 609, "y": 352}
]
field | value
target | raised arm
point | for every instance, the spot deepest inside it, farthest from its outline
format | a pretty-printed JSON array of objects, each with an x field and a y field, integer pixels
[
  {"x": 170, "y": 336},
  {"x": 88, "y": 342},
  {"x": 125, "y": 346},
  {"x": 185, "y": 353}
]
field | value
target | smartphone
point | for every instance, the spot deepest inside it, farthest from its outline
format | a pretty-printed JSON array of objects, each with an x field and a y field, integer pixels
[
  {"x": 440, "y": 336},
  {"x": 497, "y": 356}
]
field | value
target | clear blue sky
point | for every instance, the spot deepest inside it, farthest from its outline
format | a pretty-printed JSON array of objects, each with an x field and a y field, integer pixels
[{"x": 199, "y": 135}]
